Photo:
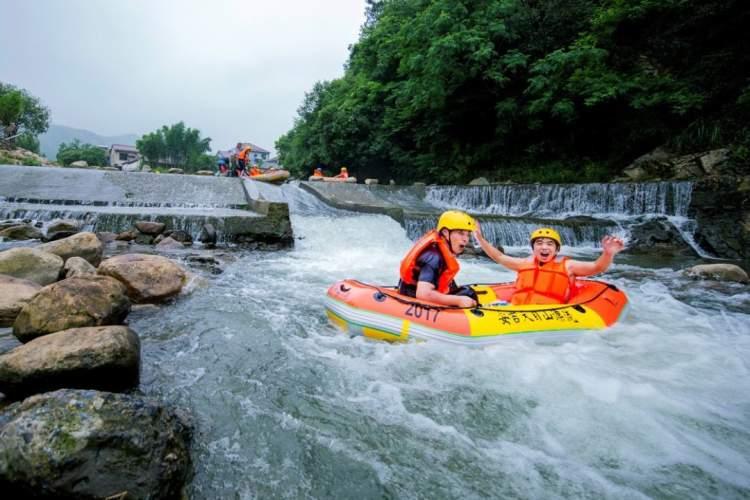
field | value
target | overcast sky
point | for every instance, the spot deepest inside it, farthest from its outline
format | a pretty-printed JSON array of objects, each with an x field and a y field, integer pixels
[{"x": 235, "y": 70}]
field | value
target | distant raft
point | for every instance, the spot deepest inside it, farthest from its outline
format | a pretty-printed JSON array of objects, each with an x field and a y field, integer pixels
[
  {"x": 272, "y": 175},
  {"x": 321, "y": 178},
  {"x": 382, "y": 313}
]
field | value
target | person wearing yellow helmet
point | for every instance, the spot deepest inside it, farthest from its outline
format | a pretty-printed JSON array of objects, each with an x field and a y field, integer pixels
[
  {"x": 427, "y": 271},
  {"x": 542, "y": 278}
]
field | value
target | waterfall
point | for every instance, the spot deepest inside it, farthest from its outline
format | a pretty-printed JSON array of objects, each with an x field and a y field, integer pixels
[{"x": 564, "y": 200}]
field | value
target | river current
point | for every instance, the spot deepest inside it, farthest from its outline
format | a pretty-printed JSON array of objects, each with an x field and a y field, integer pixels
[{"x": 285, "y": 406}]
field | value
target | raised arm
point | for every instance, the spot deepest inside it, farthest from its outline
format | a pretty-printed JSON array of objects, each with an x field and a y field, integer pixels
[
  {"x": 611, "y": 246},
  {"x": 495, "y": 254}
]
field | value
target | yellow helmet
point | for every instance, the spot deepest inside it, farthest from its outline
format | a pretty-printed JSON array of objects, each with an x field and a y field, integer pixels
[
  {"x": 343, "y": 169},
  {"x": 453, "y": 219},
  {"x": 546, "y": 232}
]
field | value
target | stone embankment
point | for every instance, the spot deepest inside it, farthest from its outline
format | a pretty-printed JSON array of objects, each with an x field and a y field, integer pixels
[
  {"x": 720, "y": 201},
  {"x": 112, "y": 201},
  {"x": 70, "y": 433}
]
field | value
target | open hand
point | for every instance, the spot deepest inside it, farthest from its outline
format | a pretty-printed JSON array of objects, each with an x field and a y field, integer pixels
[
  {"x": 478, "y": 232},
  {"x": 612, "y": 245}
]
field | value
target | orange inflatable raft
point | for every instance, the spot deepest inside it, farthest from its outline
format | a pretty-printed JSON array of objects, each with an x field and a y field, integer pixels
[{"x": 382, "y": 313}]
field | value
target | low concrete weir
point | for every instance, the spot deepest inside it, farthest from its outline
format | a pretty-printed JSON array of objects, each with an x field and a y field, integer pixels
[{"x": 114, "y": 201}]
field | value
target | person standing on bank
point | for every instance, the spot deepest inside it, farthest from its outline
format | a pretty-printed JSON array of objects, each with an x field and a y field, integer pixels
[
  {"x": 542, "y": 279},
  {"x": 428, "y": 269}
]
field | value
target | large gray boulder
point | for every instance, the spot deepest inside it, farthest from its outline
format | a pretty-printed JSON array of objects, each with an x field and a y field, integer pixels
[
  {"x": 148, "y": 278},
  {"x": 73, "y": 303},
  {"x": 31, "y": 264},
  {"x": 21, "y": 232},
  {"x": 104, "y": 357},
  {"x": 658, "y": 237},
  {"x": 150, "y": 227},
  {"x": 61, "y": 228},
  {"x": 720, "y": 272},
  {"x": 77, "y": 266},
  {"x": 86, "y": 444},
  {"x": 14, "y": 294},
  {"x": 85, "y": 245}
]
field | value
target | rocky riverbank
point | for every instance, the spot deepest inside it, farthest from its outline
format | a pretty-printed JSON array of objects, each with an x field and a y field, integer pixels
[
  {"x": 720, "y": 201},
  {"x": 74, "y": 424}
]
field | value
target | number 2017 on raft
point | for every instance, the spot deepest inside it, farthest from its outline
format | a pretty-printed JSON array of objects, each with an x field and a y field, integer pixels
[{"x": 416, "y": 311}]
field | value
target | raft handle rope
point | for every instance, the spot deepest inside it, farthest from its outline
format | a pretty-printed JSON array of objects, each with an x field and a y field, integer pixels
[{"x": 578, "y": 307}]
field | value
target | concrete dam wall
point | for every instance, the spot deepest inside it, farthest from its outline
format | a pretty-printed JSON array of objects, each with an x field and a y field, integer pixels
[{"x": 114, "y": 201}]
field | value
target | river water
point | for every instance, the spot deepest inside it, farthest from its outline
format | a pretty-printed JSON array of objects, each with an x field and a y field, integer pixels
[{"x": 285, "y": 406}]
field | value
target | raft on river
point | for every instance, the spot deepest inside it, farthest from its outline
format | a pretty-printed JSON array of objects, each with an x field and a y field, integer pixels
[
  {"x": 320, "y": 178},
  {"x": 382, "y": 313},
  {"x": 276, "y": 175}
]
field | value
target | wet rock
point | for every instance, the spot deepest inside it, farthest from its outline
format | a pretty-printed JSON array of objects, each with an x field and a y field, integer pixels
[
  {"x": 79, "y": 163},
  {"x": 21, "y": 232},
  {"x": 720, "y": 272},
  {"x": 208, "y": 235},
  {"x": 31, "y": 264},
  {"x": 85, "y": 245},
  {"x": 76, "y": 266},
  {"x": 207, "y": 262},
  {"x": 479, "y": 181},
  {"x": 86, "y": 444},
  {"x": 148, "y": 278},
  {"x": 371, "y": 182},
  {"x": 104, "y": 358},
  {"x": 106, "y": 237},
  {"x": 159, "y": 239},
  {"x": 144, "y": 239},
  {"x": 181, "y": 236},
  {"x": 714, "y": 160},
  {"x": 150, "y": 227},
  {"x": 14, "y": 294},
  {"x": 127, "y": 235},
  {"x": 175, "y": 171},
  {"x": 169, "y": 243},
  {"x": 204, "y": 172},
  {"x": 72, "y": 303},
  {"x": 658, "y": 237},
  {"x": 10, "y": 223},
  {"x": 61, "y": 228},
  {"x": 722, "y": 211}
]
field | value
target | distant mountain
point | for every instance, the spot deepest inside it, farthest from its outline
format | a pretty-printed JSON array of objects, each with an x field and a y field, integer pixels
[{"x": 50, "y": 141}]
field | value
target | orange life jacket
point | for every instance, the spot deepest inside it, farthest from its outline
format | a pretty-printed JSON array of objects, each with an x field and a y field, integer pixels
[
  {"x": 410, "y": 268},
  {"x": 547, "y": 284},
  {"x": 242, "y": 155},
  {"x": 254, "y": 171}
]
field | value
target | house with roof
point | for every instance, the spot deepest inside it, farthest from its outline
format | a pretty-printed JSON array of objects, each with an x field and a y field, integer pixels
[
  {"x": 121, "y": 154},
  {"x": 258, "y": 154}
]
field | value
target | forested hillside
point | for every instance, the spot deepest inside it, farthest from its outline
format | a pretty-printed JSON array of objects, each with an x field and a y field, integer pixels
[{"x": 528, "y": 90}]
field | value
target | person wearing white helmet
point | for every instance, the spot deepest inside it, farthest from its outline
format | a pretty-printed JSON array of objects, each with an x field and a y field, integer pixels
[
  {"x": 542, "y": 278},
  {"x": 428, "y": 269}
]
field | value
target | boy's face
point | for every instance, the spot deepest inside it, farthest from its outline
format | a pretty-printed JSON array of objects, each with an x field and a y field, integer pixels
[
  {"x": 457, "y": 240},
  {"x": 544, "y": 249}
]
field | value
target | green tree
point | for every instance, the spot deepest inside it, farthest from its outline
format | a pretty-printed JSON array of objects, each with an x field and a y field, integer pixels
[
  {"x": 176, "y": 146},
  {"x": 21, "y": 113},
  {"x": 75, "y": 151},
  {"x": 554, "y": 90}
]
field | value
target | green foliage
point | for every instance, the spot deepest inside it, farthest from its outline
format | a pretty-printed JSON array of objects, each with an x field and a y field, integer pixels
[
  {"x": 75, "y": 151},
  {"x": 176, "y": 146},
  {"x": 22, "y": 109},
  {"x": 28, "y": 141},
  {"x": 446, "y": 90}
]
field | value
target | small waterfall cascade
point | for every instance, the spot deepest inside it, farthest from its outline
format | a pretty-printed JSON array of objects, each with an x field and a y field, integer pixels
[
  {"x": 582, "y": 213},
  {"x": 114, "y": 201},
  {"x": 559, "y": 201}
]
